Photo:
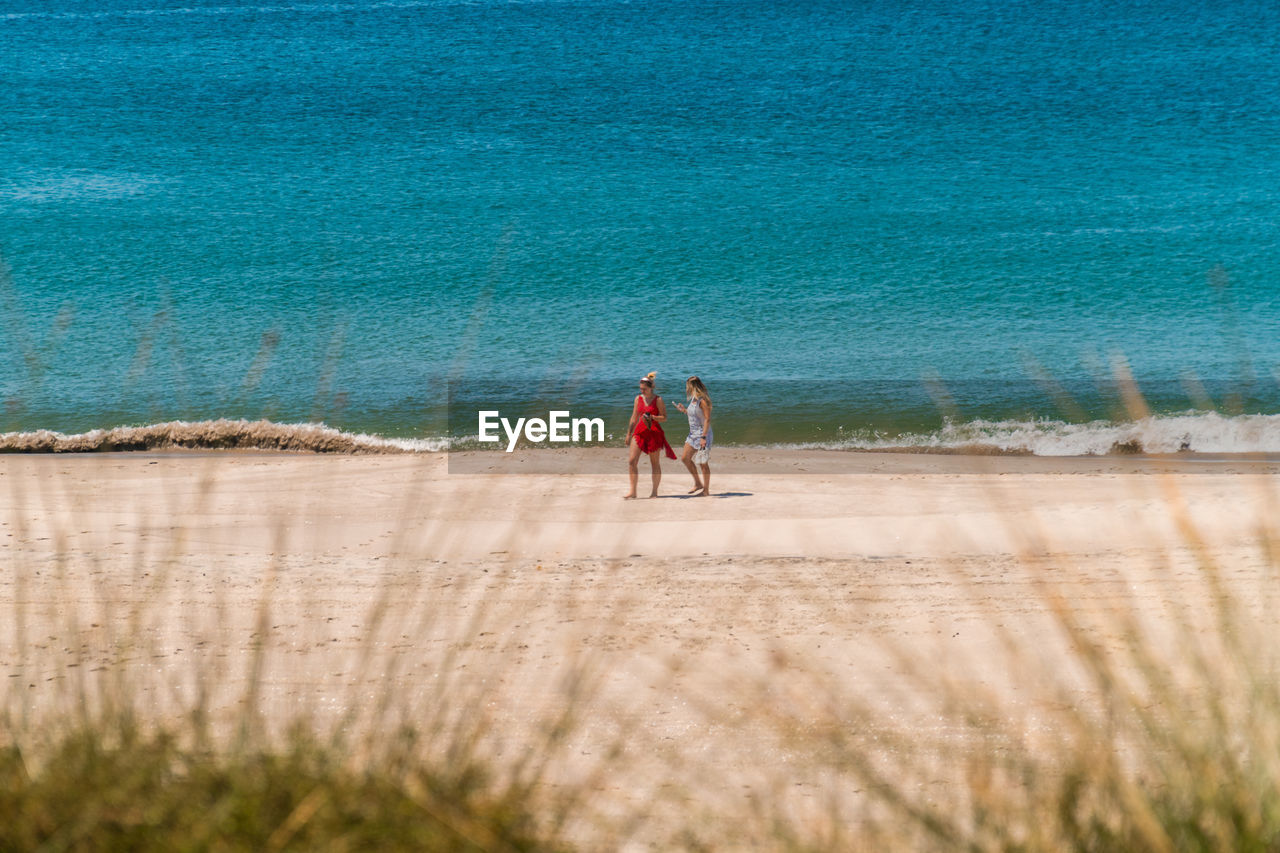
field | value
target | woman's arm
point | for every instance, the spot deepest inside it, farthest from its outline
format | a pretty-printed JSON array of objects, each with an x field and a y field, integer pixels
[
  {"x": 635, "y": 416},
  {"x": 662, "y": 411}
]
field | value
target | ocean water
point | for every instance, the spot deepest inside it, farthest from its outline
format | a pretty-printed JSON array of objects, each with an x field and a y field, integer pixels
[{"x": 910, "y": 223}]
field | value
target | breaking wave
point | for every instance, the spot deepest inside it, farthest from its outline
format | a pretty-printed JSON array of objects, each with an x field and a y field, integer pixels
[
  {"x": 215, "y": 435},
  {"x": 1189, "y": 432}
]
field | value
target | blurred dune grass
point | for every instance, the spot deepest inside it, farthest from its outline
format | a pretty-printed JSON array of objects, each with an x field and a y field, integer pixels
[
  {"x": 144, "y": 708},
  {"x": 1121, "y": 725}
]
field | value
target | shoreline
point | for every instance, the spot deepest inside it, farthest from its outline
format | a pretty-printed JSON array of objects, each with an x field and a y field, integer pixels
[
  {"x": 776, "y": 460},
  {"x": 1197, "y": 435},
  {"x": 599, "y": 461}
]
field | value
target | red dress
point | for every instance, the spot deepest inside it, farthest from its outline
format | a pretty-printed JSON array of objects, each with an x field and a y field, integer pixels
[{"x": 648, "y": 434}]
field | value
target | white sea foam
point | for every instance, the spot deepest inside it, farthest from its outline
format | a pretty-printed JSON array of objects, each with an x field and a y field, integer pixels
[
  {"x": 219, "y": 434},
  {"x": 1194, "y": 432}
]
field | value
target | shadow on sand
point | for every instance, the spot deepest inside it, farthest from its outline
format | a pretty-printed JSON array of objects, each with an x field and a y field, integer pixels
[{"x": 713, "y": 495}]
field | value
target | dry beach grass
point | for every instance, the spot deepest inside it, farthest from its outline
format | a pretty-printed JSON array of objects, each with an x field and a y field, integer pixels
[{"x": 906, "y": 652}]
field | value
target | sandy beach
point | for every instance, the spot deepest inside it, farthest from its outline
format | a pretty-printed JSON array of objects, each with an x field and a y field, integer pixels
[
  {"x": 811, "y": 504},
  {"x": 823, "y": 559}
]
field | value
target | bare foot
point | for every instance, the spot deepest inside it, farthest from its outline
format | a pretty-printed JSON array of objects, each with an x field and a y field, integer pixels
[
  {"x": 696, "y": 488},
  {"x": 704, "y": 494},
  {"x": 653, "y": 494},
  {"x": 628, "y": 497}
]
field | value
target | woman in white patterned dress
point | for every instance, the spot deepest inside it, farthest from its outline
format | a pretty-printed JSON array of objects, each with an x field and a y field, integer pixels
[{"x": 697, "y": 447}]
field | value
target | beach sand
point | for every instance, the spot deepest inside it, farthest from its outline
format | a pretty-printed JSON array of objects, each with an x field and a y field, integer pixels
[
  {"x": 789, "y": 504},
  {"x": 660, "y": 616}
]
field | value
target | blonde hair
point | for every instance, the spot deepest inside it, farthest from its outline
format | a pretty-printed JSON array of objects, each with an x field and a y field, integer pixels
[
  {"x": 650, "y": 378},
  {"x": 699, "y": 390}
]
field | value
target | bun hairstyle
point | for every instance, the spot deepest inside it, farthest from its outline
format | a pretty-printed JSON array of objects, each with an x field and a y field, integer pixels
[{"x": 648, "y": 378}]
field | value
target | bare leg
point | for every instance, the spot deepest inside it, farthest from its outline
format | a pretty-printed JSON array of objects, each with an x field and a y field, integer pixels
[
  {"x": 687, "y": 459},
  {"x": 633, "y": 459},
  {"x": 706, "y": 480},
  {"x": 657, "y": 472}
]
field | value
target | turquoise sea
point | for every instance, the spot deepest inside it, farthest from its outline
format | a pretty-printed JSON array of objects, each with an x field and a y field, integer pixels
[{"x": 916, "y": 222}]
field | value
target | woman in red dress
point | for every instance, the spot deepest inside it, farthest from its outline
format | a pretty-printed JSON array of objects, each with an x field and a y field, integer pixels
[{"x": 645, "y": 435}]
